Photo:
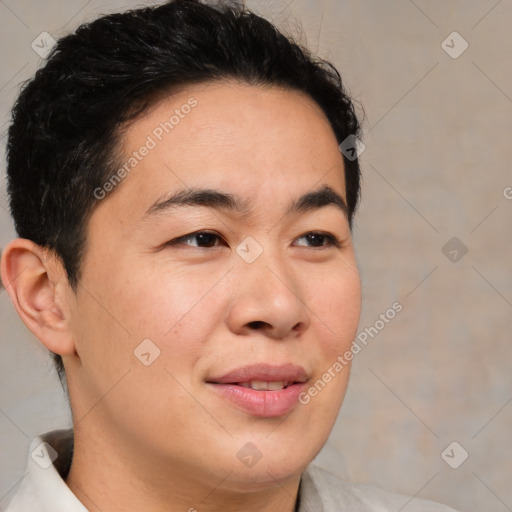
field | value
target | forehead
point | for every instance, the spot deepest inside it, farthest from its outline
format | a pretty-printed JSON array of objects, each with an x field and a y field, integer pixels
[{"x": 247, "y": 140}]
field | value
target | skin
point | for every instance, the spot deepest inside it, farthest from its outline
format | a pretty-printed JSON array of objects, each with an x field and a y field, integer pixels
[{"x": 156, "y": 437}]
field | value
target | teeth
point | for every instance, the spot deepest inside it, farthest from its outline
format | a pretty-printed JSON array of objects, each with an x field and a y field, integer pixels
[
  {"x": 274, "y": 386},
  {"x": 261, "y": 385}
]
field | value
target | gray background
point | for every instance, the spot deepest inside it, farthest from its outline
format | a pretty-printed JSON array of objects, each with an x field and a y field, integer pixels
[{"x": 436, "y": 166}]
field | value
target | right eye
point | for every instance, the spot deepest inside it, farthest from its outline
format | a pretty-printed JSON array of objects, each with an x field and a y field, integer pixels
[{"x": 201, "y": 239}]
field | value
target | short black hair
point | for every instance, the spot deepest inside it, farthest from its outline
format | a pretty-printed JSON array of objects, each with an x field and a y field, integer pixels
[{"x": 68, "y": 119}]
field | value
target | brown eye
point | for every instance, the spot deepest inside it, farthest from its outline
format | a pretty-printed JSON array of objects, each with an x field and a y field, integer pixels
[
  {"x": 202, "y": 239},
  {"x": 317, "y": 239}
]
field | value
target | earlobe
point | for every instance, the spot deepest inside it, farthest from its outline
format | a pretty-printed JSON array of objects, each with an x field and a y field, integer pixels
[{"x": 36, "y": 282}]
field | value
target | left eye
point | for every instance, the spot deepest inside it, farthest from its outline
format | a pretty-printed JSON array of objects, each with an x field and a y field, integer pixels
[{"x": 319, "y": 240}]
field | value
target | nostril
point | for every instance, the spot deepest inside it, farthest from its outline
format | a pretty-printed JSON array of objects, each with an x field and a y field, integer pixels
[
  {"x": 257, "y": 324},
  {"x": 299, "y": 327}
]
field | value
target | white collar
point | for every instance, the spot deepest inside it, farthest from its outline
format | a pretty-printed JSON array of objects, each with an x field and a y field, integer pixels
[{"x": 43, "y": 488}]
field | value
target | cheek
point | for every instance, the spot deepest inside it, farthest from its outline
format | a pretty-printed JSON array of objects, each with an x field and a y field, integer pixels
[
  {"x": 177, "y": 310},
  {"x": 119, "y": 311},
  {"x": 176, "y": 305},
  {"x": 336, "y": 307},
  {"x": 154, "y": 301}
]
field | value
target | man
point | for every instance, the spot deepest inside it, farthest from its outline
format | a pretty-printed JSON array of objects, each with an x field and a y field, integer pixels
[{"x": 185, "y": 251}]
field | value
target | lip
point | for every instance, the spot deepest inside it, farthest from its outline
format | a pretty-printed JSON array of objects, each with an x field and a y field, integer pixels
[
  {"x": 265, "y": 404},
  {"x": 263, "y": 371}
]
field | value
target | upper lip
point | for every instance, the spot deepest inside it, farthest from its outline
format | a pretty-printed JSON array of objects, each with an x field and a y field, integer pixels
[{"x": 263, "y": 372}]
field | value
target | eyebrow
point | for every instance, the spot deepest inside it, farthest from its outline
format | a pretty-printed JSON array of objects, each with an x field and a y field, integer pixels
[{"x": 324, "y": 196}]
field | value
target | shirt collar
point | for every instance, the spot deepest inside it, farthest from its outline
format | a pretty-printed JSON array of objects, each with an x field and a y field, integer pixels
[{"x": 43, "y": 488}]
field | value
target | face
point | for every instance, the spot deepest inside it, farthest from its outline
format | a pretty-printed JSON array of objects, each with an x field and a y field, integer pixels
[{"x": 219, "y": 283}]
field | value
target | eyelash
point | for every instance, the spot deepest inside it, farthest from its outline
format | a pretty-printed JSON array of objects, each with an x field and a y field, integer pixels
[{"x": 331, "y": 239}]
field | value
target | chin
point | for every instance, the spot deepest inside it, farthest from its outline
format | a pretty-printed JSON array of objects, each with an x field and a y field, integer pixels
[
  {"x": 274, "y": 467},
  {"x": 264, "y": 477}
]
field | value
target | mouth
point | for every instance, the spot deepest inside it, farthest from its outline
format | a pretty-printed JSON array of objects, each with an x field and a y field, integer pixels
[
  {"x": 261, "y": 385},
  {"x": 261, "y": 390}
]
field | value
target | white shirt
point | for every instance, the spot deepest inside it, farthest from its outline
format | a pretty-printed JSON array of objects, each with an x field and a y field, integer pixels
[{"x": 44, "y": 490}]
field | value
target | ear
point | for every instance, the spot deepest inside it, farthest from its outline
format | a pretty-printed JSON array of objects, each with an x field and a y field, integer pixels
[{"x": 37, "y": 284}]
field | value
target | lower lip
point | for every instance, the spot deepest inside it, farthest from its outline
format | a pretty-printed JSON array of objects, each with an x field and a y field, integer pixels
[{"x": 265, "y": 404}]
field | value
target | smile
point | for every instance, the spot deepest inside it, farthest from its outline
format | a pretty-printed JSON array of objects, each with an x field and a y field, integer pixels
[{"x": 261, "y": 390}]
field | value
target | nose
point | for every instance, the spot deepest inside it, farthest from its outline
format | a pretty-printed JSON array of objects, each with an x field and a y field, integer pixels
[{"x": 267, "y": 298}]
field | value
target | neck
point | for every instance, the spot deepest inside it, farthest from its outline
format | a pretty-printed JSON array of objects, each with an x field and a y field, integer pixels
[{"x": 107, "y": 476}]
